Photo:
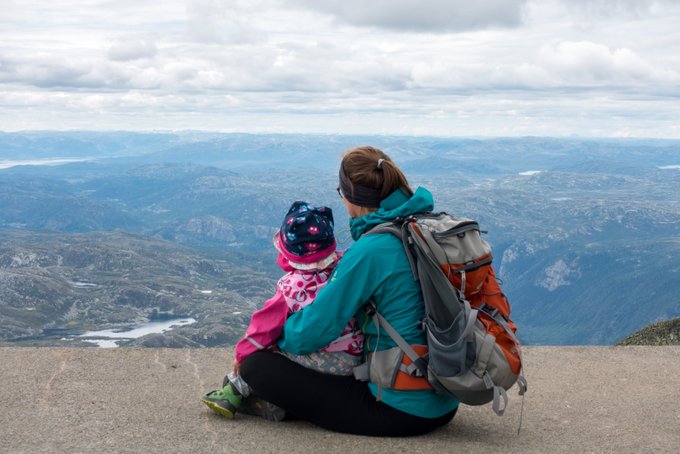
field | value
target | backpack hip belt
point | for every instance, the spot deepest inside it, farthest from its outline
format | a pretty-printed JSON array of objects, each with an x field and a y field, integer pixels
[{"x": 392, "y": 369}]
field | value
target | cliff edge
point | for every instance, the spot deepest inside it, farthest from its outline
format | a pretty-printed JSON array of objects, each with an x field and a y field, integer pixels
[{"x": 580, "y": 399}]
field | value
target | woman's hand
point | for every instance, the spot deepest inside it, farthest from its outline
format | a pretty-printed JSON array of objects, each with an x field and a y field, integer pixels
[{"x": 236, "y": 367}]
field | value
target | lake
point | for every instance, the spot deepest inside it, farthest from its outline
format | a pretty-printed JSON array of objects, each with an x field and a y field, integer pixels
[{"x": 109, "y": 338}]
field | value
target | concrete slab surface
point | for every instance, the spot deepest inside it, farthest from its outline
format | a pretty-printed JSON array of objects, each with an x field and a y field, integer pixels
[{"x": 580, "y": 399}]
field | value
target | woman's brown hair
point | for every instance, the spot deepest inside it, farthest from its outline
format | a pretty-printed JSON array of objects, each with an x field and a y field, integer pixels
[{"x": 372, "y": 168}]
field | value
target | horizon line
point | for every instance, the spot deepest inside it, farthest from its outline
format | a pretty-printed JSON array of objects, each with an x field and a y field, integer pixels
[{"x": 331, "y": 134}]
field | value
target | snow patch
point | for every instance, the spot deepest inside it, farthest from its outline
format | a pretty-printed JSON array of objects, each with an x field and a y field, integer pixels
[
  {"x": 509, "y": 255},
  {"x": 557, "y": 275},
  {"x": 24, "y": 259}
]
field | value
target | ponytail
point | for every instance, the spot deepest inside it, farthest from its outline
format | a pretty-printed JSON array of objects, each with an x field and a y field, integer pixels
[{"x": 368, "y": 176}]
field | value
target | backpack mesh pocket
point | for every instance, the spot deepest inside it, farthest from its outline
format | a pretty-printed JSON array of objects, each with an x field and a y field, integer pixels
[{"x": 449, "y": 353}]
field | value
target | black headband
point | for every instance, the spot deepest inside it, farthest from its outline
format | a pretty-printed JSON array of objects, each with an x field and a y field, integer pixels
[{"x": 362, "y": 196}]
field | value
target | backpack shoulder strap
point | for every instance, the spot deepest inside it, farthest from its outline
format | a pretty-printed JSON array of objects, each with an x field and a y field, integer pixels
[
  {"x": 398, "y": 228},
  {"x": 386, "y": 227}
]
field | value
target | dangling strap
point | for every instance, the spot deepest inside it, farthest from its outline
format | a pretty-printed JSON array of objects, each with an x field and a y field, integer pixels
[
  {"x": 498, "y": 394},
  {"x": 521, "y": 410}
]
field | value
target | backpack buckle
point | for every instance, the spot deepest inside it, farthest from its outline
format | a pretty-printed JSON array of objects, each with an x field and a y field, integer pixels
[
  {"x": 488, "y": 310},
  {"x": 370, "y": 308}
]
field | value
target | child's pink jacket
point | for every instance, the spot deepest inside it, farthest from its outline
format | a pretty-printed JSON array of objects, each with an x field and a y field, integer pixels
[{"x": 294, "y": 290}]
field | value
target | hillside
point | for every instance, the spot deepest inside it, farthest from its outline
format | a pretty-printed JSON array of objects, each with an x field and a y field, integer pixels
[
  {"x": 54, "y": 287},
  {"x": 666, "y": 332}
]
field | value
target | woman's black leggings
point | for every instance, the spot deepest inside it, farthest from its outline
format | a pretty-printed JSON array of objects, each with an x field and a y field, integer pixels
[{"x": 337, "y": 403}]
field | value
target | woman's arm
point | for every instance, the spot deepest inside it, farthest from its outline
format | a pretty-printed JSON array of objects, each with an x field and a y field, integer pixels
[
  {"x": 265, "y": 327},
  {"x": 351, "y": 285}
]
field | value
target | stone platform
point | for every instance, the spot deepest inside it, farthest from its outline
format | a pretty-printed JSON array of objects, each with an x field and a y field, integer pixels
[{"x": 580, "y": 399}]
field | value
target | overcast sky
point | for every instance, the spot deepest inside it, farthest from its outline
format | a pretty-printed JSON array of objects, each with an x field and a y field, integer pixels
[{"x": 434, "y": 67}]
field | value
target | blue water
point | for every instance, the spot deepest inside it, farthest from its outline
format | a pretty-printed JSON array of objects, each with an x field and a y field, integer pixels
[{"x": 109, "y": 338}]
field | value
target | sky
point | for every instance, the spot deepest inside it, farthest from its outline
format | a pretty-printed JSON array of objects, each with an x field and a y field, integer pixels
[{"x": 488, "y": 68}]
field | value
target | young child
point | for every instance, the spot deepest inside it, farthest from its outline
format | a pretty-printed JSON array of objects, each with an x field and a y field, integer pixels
[{"x": 307, "y": 252}]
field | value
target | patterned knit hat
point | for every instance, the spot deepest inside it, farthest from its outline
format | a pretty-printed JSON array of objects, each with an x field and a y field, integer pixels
[{"x": 306, "y": 234}]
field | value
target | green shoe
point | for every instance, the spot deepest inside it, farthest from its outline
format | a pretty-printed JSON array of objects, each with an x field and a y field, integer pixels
[{"x": 223, "y": 401}]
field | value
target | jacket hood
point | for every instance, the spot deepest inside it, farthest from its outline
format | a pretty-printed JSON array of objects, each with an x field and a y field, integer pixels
[{"x": 397, "y": 204}]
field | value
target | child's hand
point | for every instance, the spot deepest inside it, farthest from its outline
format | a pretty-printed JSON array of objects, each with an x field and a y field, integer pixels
[{"x": 236, "y": 367}]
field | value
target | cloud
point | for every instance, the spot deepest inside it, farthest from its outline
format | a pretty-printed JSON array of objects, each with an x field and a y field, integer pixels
[
  {"x": 452, "y": 76},
  {"x": 45, "y": 71},
  {"x": 56, "y": 72},
  {"x": 521, "y": 67},
  {"x": 223, "y": 21},
  {"x": 423, "y": 15},
  {"x": 609, "y": 9},
  {"x": 129, "y": 48},
  {"x": 585, "y": 62}
]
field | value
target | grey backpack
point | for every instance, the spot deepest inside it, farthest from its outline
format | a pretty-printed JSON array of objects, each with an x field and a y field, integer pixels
[{"x": 472, "y": 352}]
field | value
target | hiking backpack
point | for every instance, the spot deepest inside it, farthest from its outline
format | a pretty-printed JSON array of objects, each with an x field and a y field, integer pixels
[{"x": 472, "y": 352}]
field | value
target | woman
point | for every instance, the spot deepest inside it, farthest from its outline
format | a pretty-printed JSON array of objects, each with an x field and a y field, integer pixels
[{"x": 375, "y": 268}]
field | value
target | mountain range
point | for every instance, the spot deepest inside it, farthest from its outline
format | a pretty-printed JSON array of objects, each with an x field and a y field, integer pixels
[{"x": 586, "y": 233}]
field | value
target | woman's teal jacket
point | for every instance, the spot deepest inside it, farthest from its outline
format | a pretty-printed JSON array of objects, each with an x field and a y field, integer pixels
[{"x": 374, "y": 267}]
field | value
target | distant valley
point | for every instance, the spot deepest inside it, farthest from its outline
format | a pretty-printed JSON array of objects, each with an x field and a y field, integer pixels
[
  {"x": 586, "y": 233},
  {"x": 55, "y": 285}
]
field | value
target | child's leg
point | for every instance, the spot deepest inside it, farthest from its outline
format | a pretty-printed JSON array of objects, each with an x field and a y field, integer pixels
[
  {"x": 253, "y": 405},
  {"x": 225, "y": 401},
  {"x": 239, "y": 385}
]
